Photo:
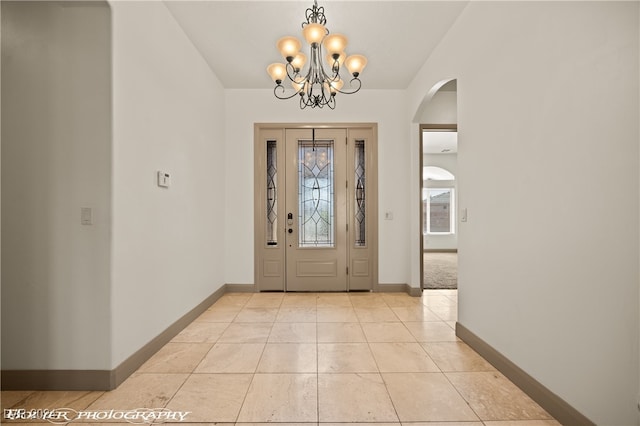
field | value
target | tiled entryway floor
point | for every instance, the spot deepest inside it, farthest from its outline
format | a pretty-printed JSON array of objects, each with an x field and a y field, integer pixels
[{"x": 317, "y": 358}]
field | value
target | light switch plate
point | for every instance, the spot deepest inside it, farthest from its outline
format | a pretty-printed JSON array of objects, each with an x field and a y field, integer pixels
[
  {"x": 164, "y": 179},
  {"x": 86, "y": 216}
]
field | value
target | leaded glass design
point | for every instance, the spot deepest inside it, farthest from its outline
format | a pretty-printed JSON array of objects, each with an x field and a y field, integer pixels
[
  {"x": 272, "y": 194},
  {"x": 315, "y": 194},
  {"x": 360, "y": 211}
]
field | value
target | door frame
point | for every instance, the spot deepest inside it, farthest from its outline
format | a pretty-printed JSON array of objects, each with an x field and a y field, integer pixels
[
  {"x": 433, "y": 128},
  {"x": 269, "y": 267}
]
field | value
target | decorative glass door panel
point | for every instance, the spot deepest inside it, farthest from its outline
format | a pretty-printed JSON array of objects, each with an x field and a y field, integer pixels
[{"x": 315, "y": 194}]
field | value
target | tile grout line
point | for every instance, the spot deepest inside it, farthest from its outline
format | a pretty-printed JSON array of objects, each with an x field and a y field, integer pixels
[
  {"x": 191, "y": 372},
  {"x": 189, "y": 375},
  {"x": 464, "y": 399},
  {"x": 253, "y": 376},
  {"x": 447, "y": 377},
  {"x": 384, "y": 382}
]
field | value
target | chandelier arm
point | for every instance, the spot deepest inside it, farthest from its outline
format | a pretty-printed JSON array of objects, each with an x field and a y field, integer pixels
[
  {"x": 275, "y": 92},
  {"x": 335, "y": 70},
  {"x": 317, "y": 100},
  {"x": 331, "y": 102},
  {"x": 351, "y": 83},
  {"x": 293, "y": 76},
  {"x": 311, "y": 98},
  {"x": 334, "y": 77},
  {"x": 303, "y": 104},
  {"x": 323, "y": 74}
]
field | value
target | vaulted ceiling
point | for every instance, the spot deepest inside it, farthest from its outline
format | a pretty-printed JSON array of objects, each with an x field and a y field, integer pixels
[{"x": 237, "y": 38}]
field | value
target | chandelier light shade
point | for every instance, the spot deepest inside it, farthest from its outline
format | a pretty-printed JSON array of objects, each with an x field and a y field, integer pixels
[
  {"x": 335, "y": 43},
  {"x": 319, "y": 83},
  {"x": 314, "y": 33},
  {"x": 289, "y": 47},
  {"x": 355, "y": 64}
]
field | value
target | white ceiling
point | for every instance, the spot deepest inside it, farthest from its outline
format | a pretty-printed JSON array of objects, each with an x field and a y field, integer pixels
[
  {"x": 439, "y": 142},
  {"x": 237, "y": 38}
]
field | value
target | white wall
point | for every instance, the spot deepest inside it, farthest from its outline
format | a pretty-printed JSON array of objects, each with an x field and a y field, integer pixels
[
  {"x": 441, "y": 109},
  {"x": 55, "y": 159},
  {"x": 548, "y": 275},
  {"x": 386, "y": 107},
  {"x": 168, "y": 244}
]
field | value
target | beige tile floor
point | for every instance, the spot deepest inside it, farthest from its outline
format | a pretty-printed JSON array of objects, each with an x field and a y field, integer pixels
[{"x": 371, "y": 358}]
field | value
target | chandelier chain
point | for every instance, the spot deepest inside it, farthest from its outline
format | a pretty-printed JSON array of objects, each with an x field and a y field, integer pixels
[{"x": 315, "y": 15}]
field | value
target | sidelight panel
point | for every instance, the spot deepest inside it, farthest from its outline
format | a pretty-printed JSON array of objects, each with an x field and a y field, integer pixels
[
  {"x": 360, "y": 195},
  {"x": 272, "y": 194}
]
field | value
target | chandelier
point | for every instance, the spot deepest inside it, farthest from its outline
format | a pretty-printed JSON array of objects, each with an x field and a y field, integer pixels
[{"x": 316, "y": 87}]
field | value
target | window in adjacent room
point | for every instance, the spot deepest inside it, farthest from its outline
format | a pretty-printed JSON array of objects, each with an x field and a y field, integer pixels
[{"x": 438, "y": 210}]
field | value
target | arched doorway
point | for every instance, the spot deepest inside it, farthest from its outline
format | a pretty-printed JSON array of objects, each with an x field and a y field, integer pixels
[
  {"x": 439, "y": 207},
  {"x": 439, "y": 220},
  {"x": 438, "y": 150}
]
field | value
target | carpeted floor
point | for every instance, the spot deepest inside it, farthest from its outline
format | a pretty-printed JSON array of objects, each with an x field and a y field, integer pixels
[{"x": 440, "y": 270}]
